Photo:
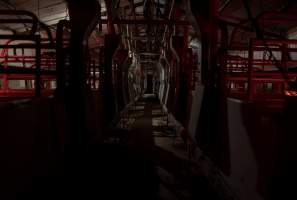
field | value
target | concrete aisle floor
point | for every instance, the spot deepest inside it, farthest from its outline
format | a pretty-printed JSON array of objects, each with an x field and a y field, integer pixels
[{"x": 158, "y": 144}]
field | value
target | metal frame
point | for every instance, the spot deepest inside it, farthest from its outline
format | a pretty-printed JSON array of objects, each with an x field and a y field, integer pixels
[
  {"x": 19, "y": 66},
  {"x": 253, "y": 72}
]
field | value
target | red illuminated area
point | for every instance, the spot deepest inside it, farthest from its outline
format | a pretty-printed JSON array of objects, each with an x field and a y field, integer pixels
[
  {"x": 263, "y": 70},
  {"x": 27, "y": 62},
  {"x": 148, "y": 99},
  {"x": 291, "y": 93}
]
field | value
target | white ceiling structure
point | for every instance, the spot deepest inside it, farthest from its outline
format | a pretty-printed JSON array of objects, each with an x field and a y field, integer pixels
[{"x": 48, "y": 11}]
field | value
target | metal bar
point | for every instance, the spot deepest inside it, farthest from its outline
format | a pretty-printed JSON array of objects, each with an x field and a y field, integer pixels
[
  {"x": 28, "y": 77},
  {"x": 146, "y": 21},
  {"x": 22, "y": 70}
]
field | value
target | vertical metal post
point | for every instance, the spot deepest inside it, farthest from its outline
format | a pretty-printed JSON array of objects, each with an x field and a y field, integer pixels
[
  {"x": 59, "y": 57},
  {"x": 110, "y": 25},
  {"x": 250, "y": 72},
  {"x": 38, "y": 67}
]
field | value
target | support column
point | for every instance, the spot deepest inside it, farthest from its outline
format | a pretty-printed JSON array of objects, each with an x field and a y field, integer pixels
[
  {"x": 212, "y": 134},
  {"x": 82, "y": 13},
  {"x": 111, "y": 44}
]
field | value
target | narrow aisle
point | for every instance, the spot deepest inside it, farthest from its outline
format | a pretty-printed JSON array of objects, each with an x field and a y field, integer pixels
[
  {"x": 154, "y": 158},
  {"x": 157, "y": 143},
  {"x": 142, "y": 129}
]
